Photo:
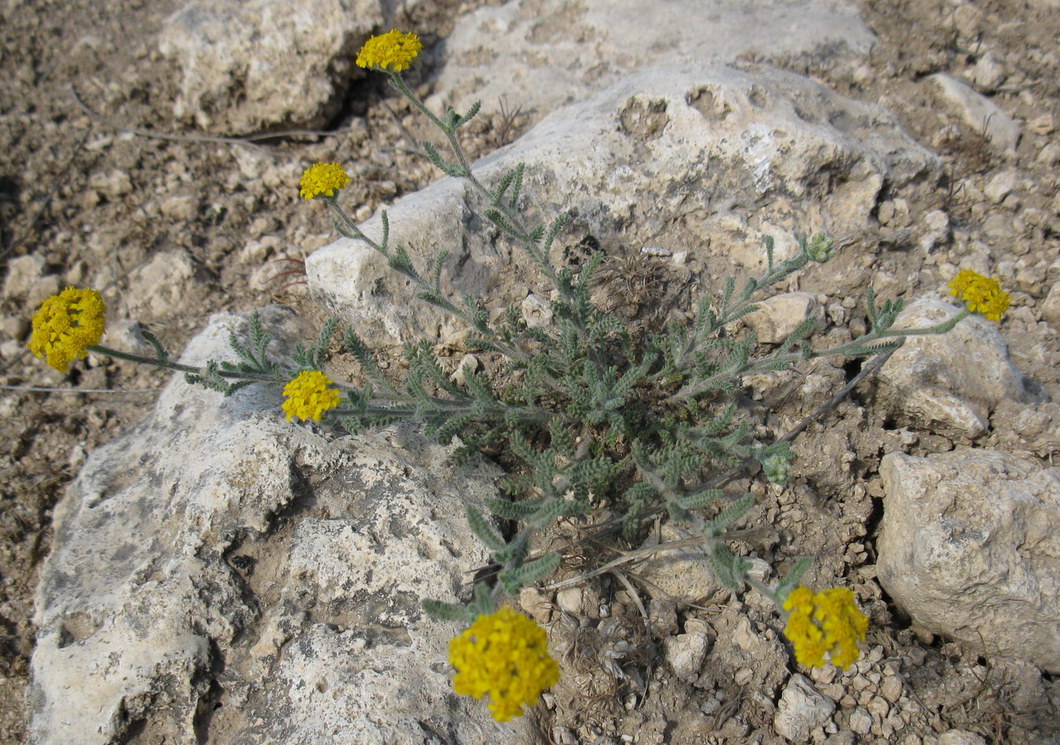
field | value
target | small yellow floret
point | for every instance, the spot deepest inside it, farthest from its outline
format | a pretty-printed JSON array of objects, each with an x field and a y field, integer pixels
[
  {"x": 391, "y": 51},
  {"x": 980, "y": 294},
  {"x": 309, "y": 396},
  {"x": 504, "y": 655},
  {"x": 66, "y": 325},
  {"x": 828, "y": 622},
  {"x": 323, "y": 178}
]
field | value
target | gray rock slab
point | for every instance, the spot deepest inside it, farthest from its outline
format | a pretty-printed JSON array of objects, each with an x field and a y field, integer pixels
[
  {"x": 259, "y": 64},
  {"x": 979, "y": 112},
  {"x": 970, "y": 548},
  {"x": 538, "y": 54},
  {"x": 220, "y": 575},
  {"x": 950, "y": 384},
  {"x": 705, "y": 161}
]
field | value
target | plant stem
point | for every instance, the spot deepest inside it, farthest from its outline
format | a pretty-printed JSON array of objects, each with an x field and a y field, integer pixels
[{"x": 167, "y": 365}]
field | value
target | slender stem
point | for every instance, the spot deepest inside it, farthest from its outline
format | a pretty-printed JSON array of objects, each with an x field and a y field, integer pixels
[
  {"x": 522, "y": 234},
  {"x": 167, "y": 365}
]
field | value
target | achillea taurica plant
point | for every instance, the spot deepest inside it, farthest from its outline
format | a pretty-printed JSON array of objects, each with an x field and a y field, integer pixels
[{"x": 598, "y": 417}]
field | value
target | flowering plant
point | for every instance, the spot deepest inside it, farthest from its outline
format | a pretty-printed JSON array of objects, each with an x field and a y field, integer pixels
[{"x": 640, "y": 423}]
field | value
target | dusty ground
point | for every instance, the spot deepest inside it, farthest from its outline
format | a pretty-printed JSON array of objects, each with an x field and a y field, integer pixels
[{"x": 97, "y": 203}]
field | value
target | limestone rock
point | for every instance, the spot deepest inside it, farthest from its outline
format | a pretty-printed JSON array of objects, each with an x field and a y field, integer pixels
[
  {"x": 733, "y": 156},
  {"x": 538, "y": 54},
  {"x": 778, "y": 316},
  {"x": 979, "y": 112},
  {"x": 261, "y": 64},
  {"x": 220, "y": 575},
  {"x": 682, "y": 574},
  {"x": 801, "y": 709},
  {"x": 685, "y": 652},
  {"x": 969, "y": 548},
  {"x": 168, "y": 279},
  {"x": 951, "y": 383}
]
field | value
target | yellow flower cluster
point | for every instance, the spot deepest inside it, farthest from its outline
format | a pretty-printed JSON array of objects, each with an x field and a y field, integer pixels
[
  {"x": 391, "y": 51},
  {"x": 308, "y": 396},
  {"x": 826, "y": 622},
  {"x": 980, "y": 294},
  {"x": 66, "y": 325},
  {"x": 505, "y": 655},
  {"x": 323, "y": 178}
]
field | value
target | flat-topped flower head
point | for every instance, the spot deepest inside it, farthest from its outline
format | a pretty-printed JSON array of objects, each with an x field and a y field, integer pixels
[
  {"x": 503, "y": 655},
  {"x": 309, "y": 395},
  {"x": 66, "y": 325},
  {"x": 391, "y": 51},
  {"x": 980, "y": 294},
  {"x": 323, "y": 178},
  {"x": 826, "y": 623}
]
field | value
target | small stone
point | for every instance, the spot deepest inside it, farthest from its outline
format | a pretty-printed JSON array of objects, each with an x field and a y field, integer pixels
[
  {"x": 743, "y": 676},
  {"x": 885, "y": 213},
  {"x": 1049, "y": 310},
  {"x": 43, "y": 288},
  {"x": 112, "y": 183},
  {"x": 936, "y": 229},
  {"x": 1049, "y": 155},
  {"x": 685, "y": 654},
  {"x": 979, "y": 112},
  {"x": 1041, "y": 125},
  {"x": 468, "y": 363},
  {"x": 569, "y": 599},
  {"x": 180, "y": 207},
  {"x": 960, "y": 737},
  {"x": 846, "y": 737},
  {"x": 878, "y": 707},
  {"x": 999, "y": 228},
  {"x": 860, "y": 683},
  {"x": 801, "y": 709},
  {"x": 778, "y": 316},
  {"x": 22, "y": 273},
  {"x": 988, "y": 74},
  {"x": 824, "y": 674},
  {"x": 1000, "y": 186},
  {"x": 860, "y": 721},
  {"x": 536, "y": 603},
  {"x": 891, "y": 688},
  {"x": 14, "y": 327},
  {"x": 536, "y": 311}
]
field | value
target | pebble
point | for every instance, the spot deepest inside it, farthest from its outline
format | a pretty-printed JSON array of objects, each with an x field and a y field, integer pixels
[
  {"x": 569, "y": 599},
  {"x": 1049, "y": 309},
  {"x": 113, "y": 183},
  {"x": 1041, "y": 125},
  {"x": 860, "y": 721},
  {"x": 685, "y": 653},
  {"x": 1049, "y": 155},
  {"x": 43, "y": 288},
  {"x": 988, "y": 74},
  {"x": 936, "y": 230},
  {"x": 891, "y": 688},
  {"x": 999, "y": 228},
  {"x": 180, "y": 207},
  {"x": 801, "y": 709},
  {"x": 536, "y": 603},
  {"x": 22, "y": 273},
  {"x": 1000, "y": 186},
  {"x": 878, "y": 707},
  {"x": 536, "y": 311},
  {"x": 960, "y": 737},
  {"x": 468, "y": 363},
  {"x": 979, "y": 112}
]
